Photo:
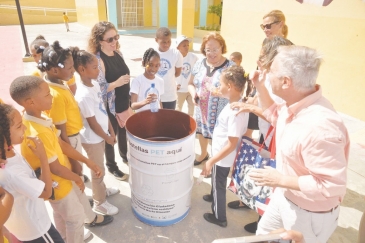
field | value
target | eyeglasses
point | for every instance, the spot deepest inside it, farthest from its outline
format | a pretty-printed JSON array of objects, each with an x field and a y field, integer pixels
[
  {"x": 111, "y": 39},
  {"x": 214, "y": 51},
  {"x": 268, "y": 26}
]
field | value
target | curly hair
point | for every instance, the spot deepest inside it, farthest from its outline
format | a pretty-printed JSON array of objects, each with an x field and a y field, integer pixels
[
  {"x": 236, "y": 76},
  {"x": 97, "y": 35},
  {"x": 148, "y": 54},
  {"x": 24, "y": 87},
  {"x": 5, "y": 122},
  {"x": 215, "y": 36},
  {"x": 39, "y": 44},
  {"x": 80, "y": 57},
  {"x": 53, "y": 56}
]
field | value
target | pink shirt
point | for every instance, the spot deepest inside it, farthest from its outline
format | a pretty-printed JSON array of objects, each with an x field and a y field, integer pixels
[{"x": 312, "y": 144}]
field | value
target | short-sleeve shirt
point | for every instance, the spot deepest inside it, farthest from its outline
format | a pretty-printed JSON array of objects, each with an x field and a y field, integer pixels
[
  {"x": 169, "y": 60},
  {"x": 65, "y": 109},
  {"x": 188, "y": 63},
  {"x": 48, "y": 134},
  {"x": 91, "y": 104},
  {"x": 29, "y": 218},
  {"x": 141, "y": 84},
  {"x": 65, "y": 18},
  {"x": 228, "y": 125}
]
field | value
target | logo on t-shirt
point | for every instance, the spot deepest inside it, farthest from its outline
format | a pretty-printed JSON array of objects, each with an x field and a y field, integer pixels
[
  {"x": 101, "y": 105},
  {"x": 165, "y": 67},
  {"x": 186, "y": 70}
]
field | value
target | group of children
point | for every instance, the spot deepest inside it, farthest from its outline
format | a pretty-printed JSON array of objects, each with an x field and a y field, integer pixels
[{"x": 60, "y": 119}]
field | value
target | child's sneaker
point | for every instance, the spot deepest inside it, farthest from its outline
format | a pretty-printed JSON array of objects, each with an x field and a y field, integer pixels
[
  {"x": 112, "y": 191},
  {"x": 106, "y": 208}
]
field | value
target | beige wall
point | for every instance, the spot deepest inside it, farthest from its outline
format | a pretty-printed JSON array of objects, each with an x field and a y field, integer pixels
[
  {"x": 337, "y": 31},
  {"x": 89, "y": 12}
]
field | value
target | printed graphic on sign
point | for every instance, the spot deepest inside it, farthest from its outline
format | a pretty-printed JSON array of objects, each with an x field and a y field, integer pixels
[
  {"x": 186, "y": 69},
  {"x": 165, "y": 67}
]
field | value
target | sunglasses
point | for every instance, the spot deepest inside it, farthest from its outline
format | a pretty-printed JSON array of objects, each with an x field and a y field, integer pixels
[
  {"x": 268, "y": 26},
  {"x": 111, "y": 39}
]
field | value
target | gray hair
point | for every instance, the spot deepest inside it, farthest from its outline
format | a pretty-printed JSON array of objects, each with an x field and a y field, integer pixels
[{"x": 299, "y": 63}]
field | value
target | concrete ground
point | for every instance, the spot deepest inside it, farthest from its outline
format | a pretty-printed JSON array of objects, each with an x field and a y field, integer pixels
[{"x": 126, "y": 227}]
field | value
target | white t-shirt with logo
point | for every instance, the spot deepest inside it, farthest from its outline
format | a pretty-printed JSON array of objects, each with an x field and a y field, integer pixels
[
  {"x": 228, "y": 125},
  {"x": 29, "y": 218},
  {"x": 188, "y": 63},
  {"x": 169, "y": 60},
  {"x": 91, "y": 104},
  {"x": 141, "y": 84}
]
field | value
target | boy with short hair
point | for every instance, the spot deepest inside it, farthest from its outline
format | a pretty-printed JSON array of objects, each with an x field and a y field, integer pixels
[
  {"x": 227, "y": 134},
  {"x": 189, "y": 59},
  {"x": 33, "y": 94},
  {"x": 171, "y": 64},
  {"x": 65, "y": 19},
  {"x": 236, "y": 57}
]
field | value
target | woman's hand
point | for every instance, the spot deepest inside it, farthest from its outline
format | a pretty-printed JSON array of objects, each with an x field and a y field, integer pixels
[{"x": 122, "y": 80}]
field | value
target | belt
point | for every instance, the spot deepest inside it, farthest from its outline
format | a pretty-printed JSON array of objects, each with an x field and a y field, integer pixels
[
  {"x": 327, "y": 211},
  {"x": 73, "y": 135}
]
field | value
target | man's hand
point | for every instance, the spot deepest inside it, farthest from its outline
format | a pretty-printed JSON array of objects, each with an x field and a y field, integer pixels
[
  {"x": 258, "y": 78},
  {"x": 266, "y": 177}
]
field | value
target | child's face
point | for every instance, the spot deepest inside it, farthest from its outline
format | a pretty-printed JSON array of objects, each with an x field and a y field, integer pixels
[
  {"x": 35, "y": 55},
  {"x": 184, "y": 47},
  {"x": 235, "y": 60},
  {"x": 42, "y": 101},
  {"x": 67, "y": 71},
  {"x": 152, "y": 66},
  {"x": 91, "y": 69},
  {"x": 224, "y": 87},
  {"x": 163, "y": 42},
  {"x": 17, "y": 127}
]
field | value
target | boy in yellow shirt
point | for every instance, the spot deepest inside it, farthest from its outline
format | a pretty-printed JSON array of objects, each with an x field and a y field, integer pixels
[
  {"x": 65, "y": 19},
  {"x": 68, "y": 203}
]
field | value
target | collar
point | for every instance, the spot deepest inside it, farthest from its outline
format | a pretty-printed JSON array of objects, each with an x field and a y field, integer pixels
[
  {"x": 295, "y": 108},
  {"x": 47, "y": 122},
  {"x": 62, "y": 86}
]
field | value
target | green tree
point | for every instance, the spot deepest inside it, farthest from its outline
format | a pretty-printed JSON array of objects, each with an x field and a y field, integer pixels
[{"x": 216, "y": 9}]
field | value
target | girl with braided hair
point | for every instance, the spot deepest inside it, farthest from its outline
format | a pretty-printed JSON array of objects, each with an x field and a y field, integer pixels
[
  {"x": 151, "y": 63},
  {"x": 29, "y": 220},
  {"x": 36, "y": 48}
]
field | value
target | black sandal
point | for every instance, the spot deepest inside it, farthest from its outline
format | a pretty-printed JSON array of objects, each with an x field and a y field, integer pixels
[
  {"x": 107, "y": 219},
  {"x": 199, "y": 162},
  {"x": 236, "y": 205}
]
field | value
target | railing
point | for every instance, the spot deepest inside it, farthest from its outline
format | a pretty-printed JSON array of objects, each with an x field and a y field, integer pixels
[{"x": 66, "y": 10}]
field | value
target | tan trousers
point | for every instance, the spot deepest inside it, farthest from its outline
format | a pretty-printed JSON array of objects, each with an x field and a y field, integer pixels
[
  {"x": 95, "y": 152},
  {"x": 181, "y": 97},
  {"x": 361, "y": 237},
  {"x": 67, "y": 28},
  {"x": 68, "y": 217}
]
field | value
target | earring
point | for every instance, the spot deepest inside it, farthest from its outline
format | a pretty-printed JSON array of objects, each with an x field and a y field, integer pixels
[{"x": 10, "y": 147}]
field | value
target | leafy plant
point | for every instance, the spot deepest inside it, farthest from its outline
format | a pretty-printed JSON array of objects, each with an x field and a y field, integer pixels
[{"x": 216, "y": 9}]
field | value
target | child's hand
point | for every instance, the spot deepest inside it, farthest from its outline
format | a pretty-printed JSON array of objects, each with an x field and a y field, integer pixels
[
  {"x": 178, "y": 86},
  {"x": 122, "y": 80},
  {"x": 95, "y": 168},
  {"x": 207, "y": 168},
  {"x": 150, "y": 98},
  {"x": 80, "y": 184},
  {"x": 76, "y": 167},
  {"x": 38, "y": 148},
  {"x": 110, "y": 140},
  {"x": 196, "y": 99}
]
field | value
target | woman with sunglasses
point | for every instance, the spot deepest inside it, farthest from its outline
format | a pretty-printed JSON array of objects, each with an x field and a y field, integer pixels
[
  {"x": 273, "y": 24},
  {"x": 114, "y": 84}
]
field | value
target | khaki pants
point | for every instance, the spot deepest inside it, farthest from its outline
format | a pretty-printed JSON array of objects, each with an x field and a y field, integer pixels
[
  {"x": 67, "y": 28},
  {"x": 181, "y": 97},
  {"x": 68, "y": 216},
  {"x": 95, "y": 152}
]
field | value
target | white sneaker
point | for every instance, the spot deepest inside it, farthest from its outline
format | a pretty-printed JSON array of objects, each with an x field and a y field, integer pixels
[
  {"x": 106, "y": 208},
  {"x": 87, "y": 234},
  {"x": 112, "y": 191}
]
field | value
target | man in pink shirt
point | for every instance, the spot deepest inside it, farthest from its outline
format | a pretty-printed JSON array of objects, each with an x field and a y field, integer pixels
[{"x": 312, "y": 148}]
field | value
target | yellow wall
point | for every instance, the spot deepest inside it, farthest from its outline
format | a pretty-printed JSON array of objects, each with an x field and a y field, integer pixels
[
  {"x": 213, "y": 19},
  {"x": 90, "y": 12},
  {"x": 172, "y": 13},
  {"x": 337, "y": 31},
  {"x": 147, "y": 13},
  {"x": 10, "y": 16}
]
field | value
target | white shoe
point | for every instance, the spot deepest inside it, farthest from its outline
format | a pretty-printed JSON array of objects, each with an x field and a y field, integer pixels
[
  {"x": 87, "y": 234},
  {"x": 112, "y": 191},
  {"x": 106, "y": 208}
]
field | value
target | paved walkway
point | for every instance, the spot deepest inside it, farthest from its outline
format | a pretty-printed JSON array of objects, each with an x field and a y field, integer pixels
[{"x": 126, "y": 228}]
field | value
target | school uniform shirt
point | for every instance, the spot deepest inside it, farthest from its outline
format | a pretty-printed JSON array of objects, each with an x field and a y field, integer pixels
[
  {"x": 47, "y": 132},
  {"x": 65, "y": 109},
  {"x": 38, "y": 73},
  {"x": 91, "y": 104},
  {"x": 228, "y": 125},
  {"x": 141, "y": 84},
  {"x": 169, "y": 60},
  {"x": 188, "y": 63},
  {"x": 29, "y": 218}
]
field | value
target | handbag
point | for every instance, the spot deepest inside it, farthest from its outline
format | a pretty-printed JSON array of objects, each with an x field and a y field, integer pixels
[
  {"x": 252, "y": 155},
  {"x": 122, "y": 117}
]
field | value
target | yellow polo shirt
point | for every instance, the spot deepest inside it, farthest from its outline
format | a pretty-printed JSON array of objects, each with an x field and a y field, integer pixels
[
  {"x": 48, "y": 134},
  {"x": 1, "y": 101},
  {"x": 65, "y": 109},
  {"x": 69, "y": 83}
]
